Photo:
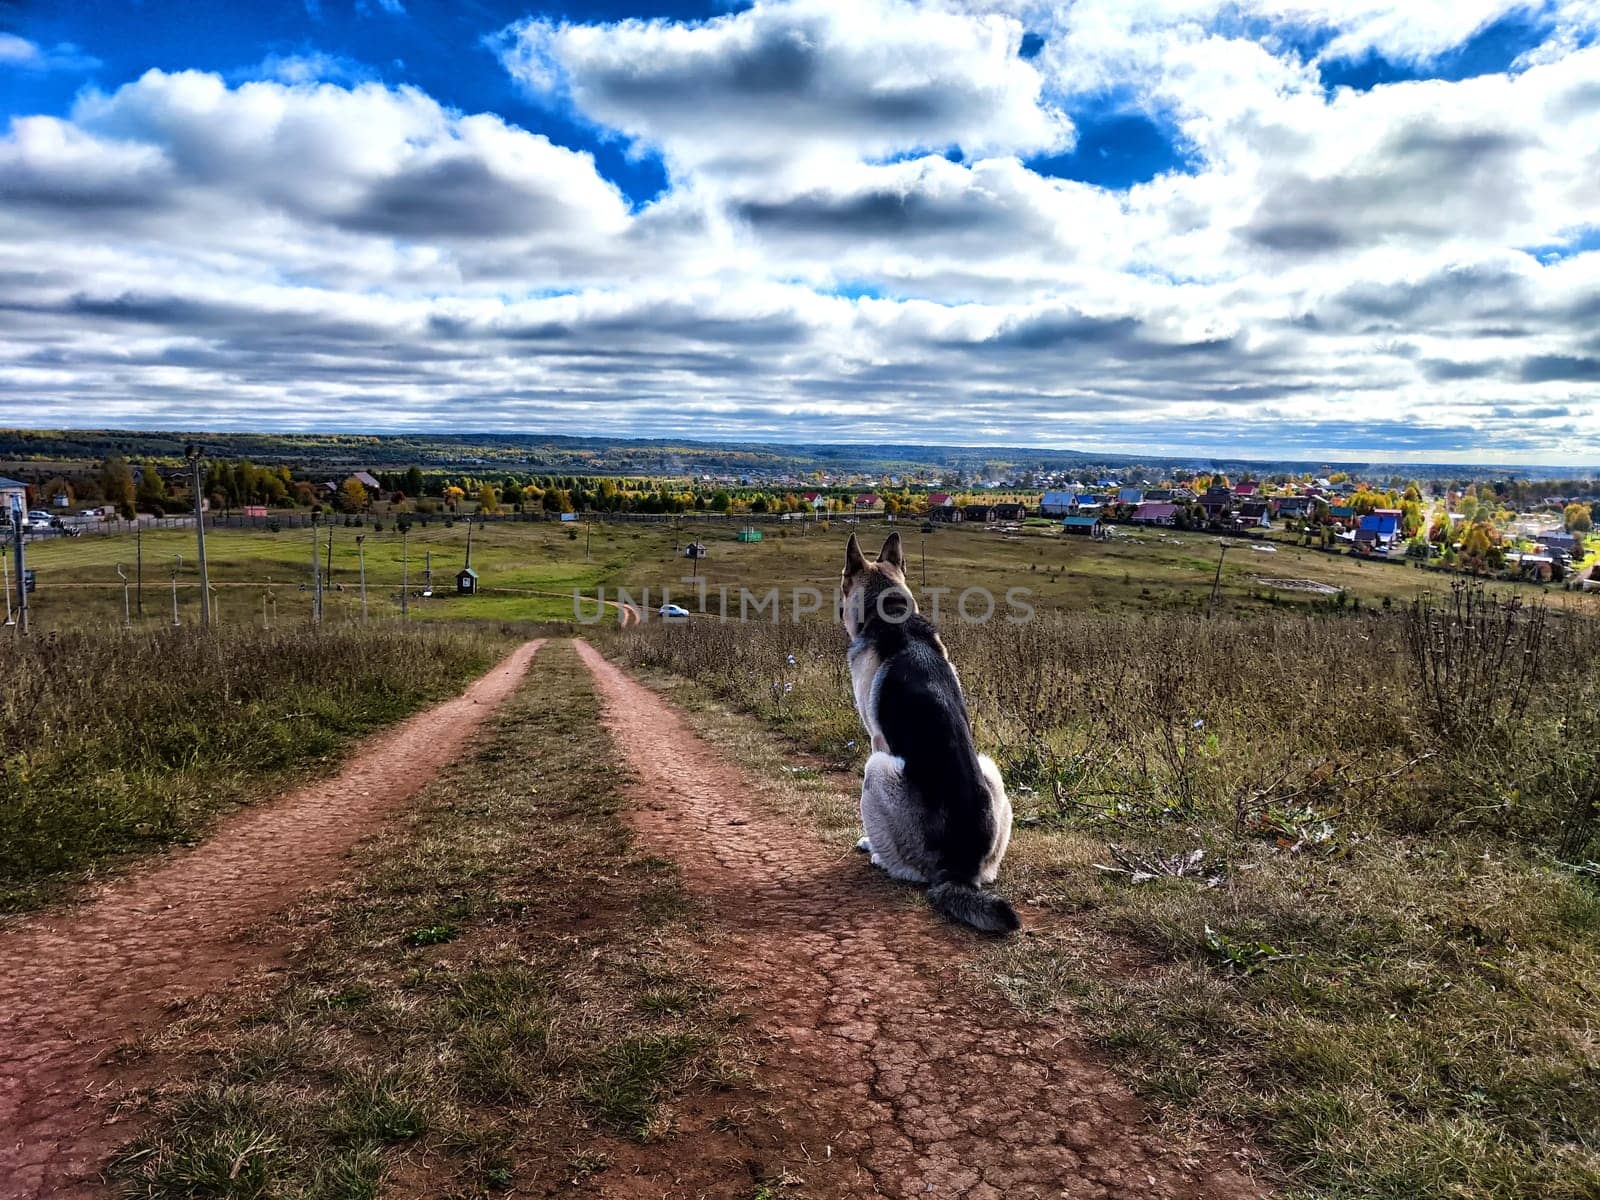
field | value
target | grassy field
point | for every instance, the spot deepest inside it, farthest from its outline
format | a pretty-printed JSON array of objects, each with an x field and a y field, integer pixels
[
  {"x": 503, "y": 998},
  {"x": 1302, "y": 892},
  {"x": 528, "y": 571},
  {"x": 118, "y": 742}
]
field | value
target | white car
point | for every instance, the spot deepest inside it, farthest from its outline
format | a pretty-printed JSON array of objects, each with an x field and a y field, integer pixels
[
  {"x": 672, "y": 611},
  {"x": 39, "y": 517}
]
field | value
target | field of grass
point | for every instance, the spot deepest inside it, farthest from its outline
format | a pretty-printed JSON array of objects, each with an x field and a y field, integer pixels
[
  {"x": 115, "y": 742},
  {"x": 504, "y": 997},
  {"x": 1304, "y": 893},
  {"x": 528, "y": 571}
]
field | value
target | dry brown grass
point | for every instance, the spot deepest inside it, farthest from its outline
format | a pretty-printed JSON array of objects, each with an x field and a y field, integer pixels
[
  {"x": 503, "y": 994},
  {"x": 116, "y": 742},
  {"x": 1385, "y": 967}
]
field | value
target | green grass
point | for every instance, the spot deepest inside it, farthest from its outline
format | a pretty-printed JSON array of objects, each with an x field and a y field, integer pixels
[
  {"x": 519, "y": 1053},
  {"x": 1386, "y": 971},
  {"x": 528, "y": 570},
  {"x": 115, "y": 743}
]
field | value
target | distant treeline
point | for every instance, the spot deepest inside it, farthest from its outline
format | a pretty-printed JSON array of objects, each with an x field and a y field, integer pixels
[{"x": 338, "y": 454}]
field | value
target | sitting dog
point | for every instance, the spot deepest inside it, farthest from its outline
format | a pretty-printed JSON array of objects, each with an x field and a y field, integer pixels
[{"x": 935, "y": 809}]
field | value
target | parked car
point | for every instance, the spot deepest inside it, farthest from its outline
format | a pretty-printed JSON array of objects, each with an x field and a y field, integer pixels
[
  {"x": 673, "y": 611},
  {"x": 37, "y": 516}
]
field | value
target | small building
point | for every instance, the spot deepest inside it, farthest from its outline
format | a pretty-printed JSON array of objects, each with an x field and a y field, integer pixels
[
  {"x": 869, "y": 502},
  {"x": 1257, "y": 513},
  {"x": 466, "y": 582},
  {"x": 8, "y": 489},
  {"x": 1294, "y": 506},
  {"x": 695, "y": 550},
  {"x": 1081, "y": 526},
  {"x": 1246, "y": 489},
  {"x": 940, "y": 500},
  {"x": 748, "y": 534},
  {"x": 947, "y": 514},
  {"x": 366, "y": 480},
  {"x": 1380, "y": 529},
  {"x": 981, "y": 513},
  {"x": 1155, "y": 512},
  {"x": 1558, "y": 541},
  {"x": 1130, "y": 495},
  {"x": 1010, "y": 512},
  {"x": 1057, "y": 504}
]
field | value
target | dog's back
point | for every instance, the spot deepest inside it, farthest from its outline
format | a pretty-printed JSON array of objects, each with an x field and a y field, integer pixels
[
  {"x": 923, "y": 718},
  {"x": 935, "y": 810}
]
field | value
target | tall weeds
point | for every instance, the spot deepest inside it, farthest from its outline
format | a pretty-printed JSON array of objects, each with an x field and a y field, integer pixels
[
  {"x": 1163, "y": 716},
  {"x": 111, "y": 741}
]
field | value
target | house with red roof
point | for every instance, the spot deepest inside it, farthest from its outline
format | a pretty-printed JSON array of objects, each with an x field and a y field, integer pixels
[
  {"x": 1155, "y": 512},
  {"x": 869, "y": 502}
]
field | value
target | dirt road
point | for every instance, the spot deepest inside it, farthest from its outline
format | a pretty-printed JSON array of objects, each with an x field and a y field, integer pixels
[
  {"x": 75, "y": 985},
  {"x": 920, "y": 1087}
]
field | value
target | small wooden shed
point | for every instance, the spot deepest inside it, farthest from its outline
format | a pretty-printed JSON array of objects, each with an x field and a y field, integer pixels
[{"x": 466, "y": 582}]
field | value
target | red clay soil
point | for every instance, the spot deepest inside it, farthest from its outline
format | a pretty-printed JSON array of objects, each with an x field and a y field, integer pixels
[
  {"x": 916, "y": 1085},
  {"x": 75, "y": 985}
]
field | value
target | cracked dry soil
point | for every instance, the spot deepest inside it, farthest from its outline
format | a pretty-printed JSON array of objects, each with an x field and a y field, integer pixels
[
  {"x": 912, "y": 1084},
  {"x": 75, "y": 985}
]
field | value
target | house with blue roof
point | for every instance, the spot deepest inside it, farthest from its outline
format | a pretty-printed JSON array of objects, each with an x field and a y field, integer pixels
[
  {"x": 1379, "y": 530},
  {"x": 1057, "y": 504}
]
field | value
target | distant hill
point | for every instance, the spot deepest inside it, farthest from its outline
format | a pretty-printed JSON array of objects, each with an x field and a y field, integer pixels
[{"x": 559, "y": 454}]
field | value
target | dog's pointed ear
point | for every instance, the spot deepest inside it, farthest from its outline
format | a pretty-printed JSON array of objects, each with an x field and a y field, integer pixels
[
  {"x": 854, "y": 560},
  {"x": 891, "y": 552}
]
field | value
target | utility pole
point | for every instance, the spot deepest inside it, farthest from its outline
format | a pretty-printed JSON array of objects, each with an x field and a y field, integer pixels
[
  {"x": 316, "y": 579},
  {"x": 1216, "y": 583},
  {"x": 924, "y": 560},
  {"x": 588, "y": 534},
  {"x": 126, "y": 619},
  {"x": 192, "y": 452},
  {"x": 328, "y": 574},
  {"x": 22, "y": 566},
  {"x": 138, "y": 544},
  {"x": 405, "y": 575},
  {"x": 427, "y": 568},
  {"x": 177, "y": 565},
  {"x": 361, "y": 555}
]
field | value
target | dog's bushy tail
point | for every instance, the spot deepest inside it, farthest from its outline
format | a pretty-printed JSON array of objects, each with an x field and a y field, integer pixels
[{"x": 972, "y": 906}]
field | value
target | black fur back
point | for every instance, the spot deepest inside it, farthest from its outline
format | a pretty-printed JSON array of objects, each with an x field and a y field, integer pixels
[{"x": 923, "y": 718}]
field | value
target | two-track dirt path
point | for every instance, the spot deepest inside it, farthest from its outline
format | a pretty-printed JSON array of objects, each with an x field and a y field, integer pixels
[
  {"x": 74, "y": 986},
  {"x": 921, "y": 1088}
]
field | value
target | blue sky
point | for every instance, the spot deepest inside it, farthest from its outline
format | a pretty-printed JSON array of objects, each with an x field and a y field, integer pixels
[{"x": 1316, "y": 228}]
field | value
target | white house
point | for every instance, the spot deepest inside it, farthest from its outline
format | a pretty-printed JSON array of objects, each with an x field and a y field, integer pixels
[{"x": 8, "y": 489}]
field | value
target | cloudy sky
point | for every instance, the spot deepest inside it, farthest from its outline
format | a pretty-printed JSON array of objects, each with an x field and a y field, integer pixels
[{"x": 1314, "y": 228}]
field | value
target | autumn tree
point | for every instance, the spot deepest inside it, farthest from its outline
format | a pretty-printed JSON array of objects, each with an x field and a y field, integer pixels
[
  {"x": 152, "y": 492},
  {"x": 116, "y": 483},
  {"x": 352, "y": 496},
  {"x": 1578, "y": 518},
  {"x": 488, "y": 498}
]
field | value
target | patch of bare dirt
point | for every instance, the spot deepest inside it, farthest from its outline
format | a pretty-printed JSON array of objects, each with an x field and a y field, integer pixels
[
  {"x": 906, "y": 1082},
  {"x": 76, "y": 985}
]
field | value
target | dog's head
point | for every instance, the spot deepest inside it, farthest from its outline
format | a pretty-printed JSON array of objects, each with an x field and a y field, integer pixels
[{"x": 874, "y": 588}]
